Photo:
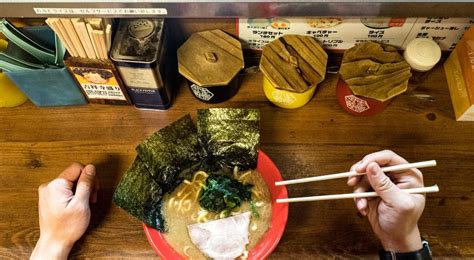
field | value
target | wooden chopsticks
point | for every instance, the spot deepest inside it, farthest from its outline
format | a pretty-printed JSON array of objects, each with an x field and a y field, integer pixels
[
  {"x": 430, "y": 189},
  {"x": 86, "y": 38},
  {"x": 354, "y": 173},
  {"x": 394, "y": 168}
]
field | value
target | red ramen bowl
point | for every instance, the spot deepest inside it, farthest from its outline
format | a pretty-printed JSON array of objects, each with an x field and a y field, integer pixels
[
  {"x": 269, "y": 241},
  {"x": 357, "y": 105}
]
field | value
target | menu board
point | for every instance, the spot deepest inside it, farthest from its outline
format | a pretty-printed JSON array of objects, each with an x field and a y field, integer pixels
[
  {"x": 445, "y": 31},
  {"x": 341, "y": 33}
]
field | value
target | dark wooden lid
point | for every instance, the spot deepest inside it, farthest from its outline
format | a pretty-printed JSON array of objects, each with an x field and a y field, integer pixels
[
  {"x": 210, "y": 58},
  {"x": 293, "y": 62}
]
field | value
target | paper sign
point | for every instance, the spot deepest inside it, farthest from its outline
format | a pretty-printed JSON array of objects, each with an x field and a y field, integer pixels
[{"x": 341, "y": 33}]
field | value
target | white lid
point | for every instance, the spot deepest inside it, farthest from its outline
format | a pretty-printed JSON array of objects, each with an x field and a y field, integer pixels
[{"x": 422, "y": 54}]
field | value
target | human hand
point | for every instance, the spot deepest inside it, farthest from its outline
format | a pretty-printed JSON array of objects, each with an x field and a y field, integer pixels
[
  {"x": 64, "y": 214},
  {"x": 394, "y": 215}
]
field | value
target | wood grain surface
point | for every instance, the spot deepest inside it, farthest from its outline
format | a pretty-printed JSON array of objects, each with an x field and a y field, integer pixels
[{"x": 36, "y": 144}]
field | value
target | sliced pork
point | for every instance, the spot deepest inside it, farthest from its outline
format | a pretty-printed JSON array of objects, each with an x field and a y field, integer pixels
[{"x": 222, "y": 239}]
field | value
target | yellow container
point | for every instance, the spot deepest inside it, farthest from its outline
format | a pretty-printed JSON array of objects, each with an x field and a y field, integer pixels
[
  {"x": 10, "y": 95},
  {"x": 293, "y": 66},
  {"x": 3, "y": 44},
  {"x": 285, "y": 98}
]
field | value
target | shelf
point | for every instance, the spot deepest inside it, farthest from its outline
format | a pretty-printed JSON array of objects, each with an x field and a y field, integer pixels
[{"x": 228, "y": 8}]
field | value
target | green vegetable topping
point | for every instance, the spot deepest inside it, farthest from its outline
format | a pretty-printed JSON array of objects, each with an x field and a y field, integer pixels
[
  {"x": 223, "y": 193},
  {"x": 254, "y": 210}
]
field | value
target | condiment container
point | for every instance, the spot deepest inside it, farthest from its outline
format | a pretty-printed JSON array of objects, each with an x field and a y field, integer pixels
[
  {"x": 211, "y": 62},
  {"x": 422, "y": 55},
  {"x": 357, "y": 105},
  {"x": 293, "y": 66},
  {"x": 371, "y": 75},
  {"x": 10, "y": 95},
  {"x": 146, "y": 64}
]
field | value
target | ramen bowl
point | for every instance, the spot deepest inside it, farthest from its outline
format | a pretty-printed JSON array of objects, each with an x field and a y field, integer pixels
[{"x": 269, "y": 241}]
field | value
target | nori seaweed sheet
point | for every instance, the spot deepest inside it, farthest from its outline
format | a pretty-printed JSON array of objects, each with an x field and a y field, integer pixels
[
  {"x": 224, "y": 138},
  {"x": 139, "y": 195},
  {"x": 230, "y": 135},
  {"x": 170, "y": 151}
]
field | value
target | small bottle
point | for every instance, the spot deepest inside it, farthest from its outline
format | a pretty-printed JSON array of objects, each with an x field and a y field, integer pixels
[{"x": 422, "y": 55}]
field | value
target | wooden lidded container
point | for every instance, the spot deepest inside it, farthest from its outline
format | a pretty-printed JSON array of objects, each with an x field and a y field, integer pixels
[
  {"x": 293, "y": 66},
  {"x": 211, "y": 61}
]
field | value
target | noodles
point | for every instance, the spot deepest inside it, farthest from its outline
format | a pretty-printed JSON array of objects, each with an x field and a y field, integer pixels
[
  {"x": 191, "y": 189},
  {"x": 186, "y": 249},
  {"x": 182, "y": 208}
]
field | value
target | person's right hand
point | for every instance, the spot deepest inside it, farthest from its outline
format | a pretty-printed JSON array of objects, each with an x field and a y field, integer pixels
[{"x": 394, "y": 215}]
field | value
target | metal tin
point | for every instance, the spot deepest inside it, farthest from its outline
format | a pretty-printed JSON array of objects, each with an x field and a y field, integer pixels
[
  {"x": 211, "y": 62},
  {"x": 146, "y": 66},
  {"x": 99, "y": 80}
]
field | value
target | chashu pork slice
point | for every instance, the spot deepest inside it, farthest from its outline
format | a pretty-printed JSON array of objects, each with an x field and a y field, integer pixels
[{"x": 222, "y": 239}]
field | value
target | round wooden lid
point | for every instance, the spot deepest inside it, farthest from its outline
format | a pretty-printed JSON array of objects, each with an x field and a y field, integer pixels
[
  {"x": 210, "y": 58},
  {"x": 294, "y": 63}
]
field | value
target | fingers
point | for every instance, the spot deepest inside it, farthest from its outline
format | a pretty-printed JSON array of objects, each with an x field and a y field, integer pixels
[
  {"x": 72, "y": 173},
  {"x": 85, "y": 185},
  {"x": 382, "y": 158},
  {"x": 351, "y": 181},
  {"x": 361, "y": 203},
  {"x": 93, "y": 198},
  {"x": 382, "y": 184},
  {"x": 412, "y": 178}
]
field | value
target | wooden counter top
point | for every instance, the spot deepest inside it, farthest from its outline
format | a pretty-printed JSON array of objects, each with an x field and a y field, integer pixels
[{"x": 36, "y": 144}]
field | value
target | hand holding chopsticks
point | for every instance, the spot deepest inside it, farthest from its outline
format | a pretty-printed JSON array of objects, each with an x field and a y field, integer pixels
[{"x": 394, "y": 168}]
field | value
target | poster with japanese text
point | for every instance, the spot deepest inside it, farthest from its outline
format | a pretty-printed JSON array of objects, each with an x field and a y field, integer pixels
[{"x": 341, "y": 33}]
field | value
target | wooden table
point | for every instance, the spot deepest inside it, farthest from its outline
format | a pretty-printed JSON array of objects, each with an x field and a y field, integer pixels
[{"x": 320, "y": 138}]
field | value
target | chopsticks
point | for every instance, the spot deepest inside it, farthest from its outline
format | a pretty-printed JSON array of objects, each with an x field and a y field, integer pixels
[
  {"x": 372, "y": 194},
  {"x": 394, "y": 168},
  {"x": 354, "y": 173},
  {"x": 86, "y": 38}
]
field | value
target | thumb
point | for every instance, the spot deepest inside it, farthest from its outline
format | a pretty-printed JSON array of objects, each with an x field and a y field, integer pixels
[
  {"x": 85, "y": 184},
  {"x": 385, "y": 188}
]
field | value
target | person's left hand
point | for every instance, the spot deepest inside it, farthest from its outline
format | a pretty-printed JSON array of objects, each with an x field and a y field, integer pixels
[{"x": 64, "y": 215}]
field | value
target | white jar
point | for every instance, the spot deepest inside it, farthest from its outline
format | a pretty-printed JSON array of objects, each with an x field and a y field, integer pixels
[{"x": 422, "y": 55}]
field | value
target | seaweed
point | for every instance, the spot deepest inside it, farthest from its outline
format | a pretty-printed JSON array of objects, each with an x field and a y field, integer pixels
[
  {"x": 139, "y": 195},
  {"x": 170, "y": 151},
  {"x": 230, "y": 136},
  {"x": 224, "y": 138},
  {"x": 222, "y": 193}
]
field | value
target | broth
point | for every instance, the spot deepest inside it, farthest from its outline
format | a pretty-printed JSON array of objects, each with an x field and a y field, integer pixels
[{"x": 181, "y": 208}]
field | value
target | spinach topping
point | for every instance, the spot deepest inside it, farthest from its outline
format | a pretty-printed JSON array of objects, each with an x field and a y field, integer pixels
[{"x": 222, "y": 193}]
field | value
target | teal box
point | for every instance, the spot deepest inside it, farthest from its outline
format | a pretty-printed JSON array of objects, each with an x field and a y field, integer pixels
[{"x": 48, "y": 87}]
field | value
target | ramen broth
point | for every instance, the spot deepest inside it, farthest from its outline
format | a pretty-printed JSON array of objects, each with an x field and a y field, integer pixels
[{"x": 181, "y": 208}]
